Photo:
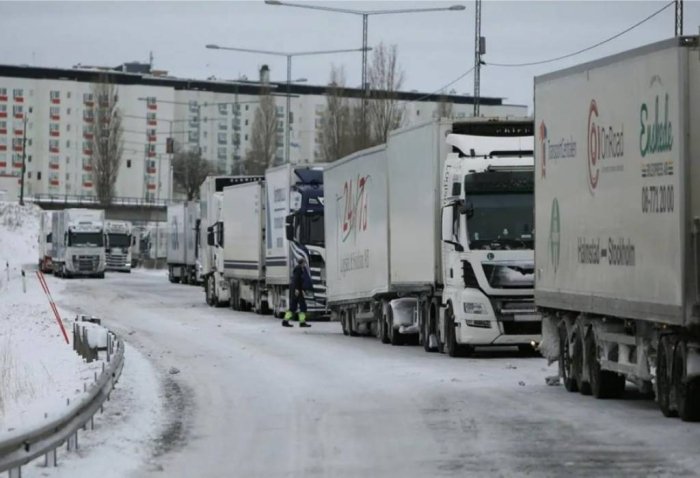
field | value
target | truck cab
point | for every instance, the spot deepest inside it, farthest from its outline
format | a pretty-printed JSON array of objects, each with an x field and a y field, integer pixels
[
  {"x": 79, "y": 243},
  {"x": 118, "y": 246},
  {"x": 488, "y": 240}
]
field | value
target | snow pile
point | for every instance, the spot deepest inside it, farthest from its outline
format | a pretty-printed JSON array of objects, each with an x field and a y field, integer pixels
[{"x": 39, "y": 372}]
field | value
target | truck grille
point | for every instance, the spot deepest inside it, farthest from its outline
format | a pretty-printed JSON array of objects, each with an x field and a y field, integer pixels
[
  {"x": 319, "y": 288},
  {"x": 116, "y": 261},
  {"x": 510, "y": 312},
  {"x": 86, "y": 263},
  {"x": 522, "y": 328}
]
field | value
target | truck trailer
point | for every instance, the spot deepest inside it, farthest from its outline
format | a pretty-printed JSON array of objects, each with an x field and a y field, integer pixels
[
  {"x": 118, "y": 246},
  {"x": 45, "y": 241},
  {"x": 430, "y": 236},
  {"x": 183, "y": 242},
  {"x": 618, "y": 221},
  {"x": 78, "y": 243},
  {"x": 211, "y": 230},
  {"x": 294, "y": 223}
]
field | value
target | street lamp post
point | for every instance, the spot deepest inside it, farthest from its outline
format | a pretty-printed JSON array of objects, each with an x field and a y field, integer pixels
[
  {"x": 365, "y": 20},
  {"x": 289, "y": 56},
  {"x": 24, "y": 161}
]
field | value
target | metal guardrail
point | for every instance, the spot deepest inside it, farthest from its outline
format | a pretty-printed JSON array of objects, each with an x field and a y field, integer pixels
[
  {"x": 21, "y": 449},
  {"x": 91, "y": 200}
]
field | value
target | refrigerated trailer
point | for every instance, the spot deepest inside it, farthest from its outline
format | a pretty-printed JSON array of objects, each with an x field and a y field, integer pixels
[
  {"x": 243, "y": 217},
  {"x": 430, "y": 236},
  {"x": 294, "y": 229},
  {"x": 182, "y": 247},
  {"x": 45, "y": 241},
  {"x": 211, "y": 230},
  {"x": 618, "y": 223}
]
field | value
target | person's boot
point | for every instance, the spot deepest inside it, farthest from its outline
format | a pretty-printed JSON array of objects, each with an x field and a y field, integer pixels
[
  {"x": 285, "y": 323},
  {"x": 302, "y": 320}
]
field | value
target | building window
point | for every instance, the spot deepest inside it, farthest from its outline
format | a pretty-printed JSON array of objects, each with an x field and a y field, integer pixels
[
  {"x": 128, "y": 163},
  {"x": 67, "y": 159},
  {"x": 151, "y": 103},
  {"x": 17, "y": 111},
  {"x": 223, "y": 108},
  {"x": 29, "y": 158},
  {"x": 55, "y": 112},
  {"x": 151, "y": 118},
  {"x": 67, "y": 111},
  {"x": 279, "y": 110},
  {"x": 3, "y": 94},
  {"x": 236, "y": 139},
  {"x": 221, "y": 153},
  {"x": 68, "y": 127},
  {"x": 246, "y": 107},
  {"x": 67, "y": 143},
  {"x": 193, "y": 106},
  {"x": 205, "y": 134},
  {"x": 29, "y": 175},
  {"x": 54, "y": 129},
  {"x": 53, "y": 145},
  {"x": 38, "y": 175},
  {"x": 67, "y": 176},
  {"x": 192, "y": 136},
  {"x": 223, "y": 125},
  {"x": 246, "y": 137},
  {"x": 68, "y": 94},
  {"x": 222, "y": 138},
  {"x": 55, "y": 96},
  {"x": 17, "y": 93},
  {"x": 194, "y": 122},
  {"x": 88, "y": 99}
]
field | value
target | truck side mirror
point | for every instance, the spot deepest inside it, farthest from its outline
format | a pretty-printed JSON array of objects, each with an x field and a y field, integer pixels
[
  {"x": 447, "y": 228},
  {"x": 289, "y": 227},
  {"x": 466, "y": 208}
]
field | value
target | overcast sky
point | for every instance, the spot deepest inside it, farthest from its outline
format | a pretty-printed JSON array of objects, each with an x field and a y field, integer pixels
[{"x": 434, "y": 48}]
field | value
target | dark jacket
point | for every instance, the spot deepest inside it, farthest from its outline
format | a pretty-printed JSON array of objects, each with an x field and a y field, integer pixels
[{"x": 300, "y": 278}]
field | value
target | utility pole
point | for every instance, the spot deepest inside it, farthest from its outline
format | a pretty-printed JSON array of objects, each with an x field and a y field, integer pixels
[
  {"x": 24, "y": 161},
  {"x": 679, "y": 18},
  {"x": 477, "y": 56}
]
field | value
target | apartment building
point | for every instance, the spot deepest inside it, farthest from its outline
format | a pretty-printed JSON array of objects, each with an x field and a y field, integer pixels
[{"x": 52, "y": 109}]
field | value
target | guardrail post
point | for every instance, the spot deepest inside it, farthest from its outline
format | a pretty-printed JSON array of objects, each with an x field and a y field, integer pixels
[
  {"x": 16, "y": 472},
  {"x": 51, "y": 458}
]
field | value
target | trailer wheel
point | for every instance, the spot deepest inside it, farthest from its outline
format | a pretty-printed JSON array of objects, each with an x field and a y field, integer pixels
[
  {"x": 566, "y": 369},
  {"x": 209, "y": 291},
  {"x": 428, "y": 329},
  {"x": 687, "y": 391},
  {"x": 664, "y": 378},
  {"x": 352, "y": 326},
  {"x": 343, "y": 322},
  {"x": 604, "y": 383},
  {"x": 394, "y": 335},
  {"x": 383, "y": 329},
  {"x": 584, "y": 387}
]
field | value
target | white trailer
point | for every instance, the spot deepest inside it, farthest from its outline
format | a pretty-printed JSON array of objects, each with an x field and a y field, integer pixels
[
  {"x": 244, "y": 245},
  {"x": 211, "y": 252},
  {"x": 405, "y": 258},
  {"x": 45, "y": 239},
  {"x": 78, "y": 243},
  {"x": 294, "y": 229},
  {"x": 182, "y": 247},
  {"x": 617, "y": 215},
  {"x": 119, "y": 245}
]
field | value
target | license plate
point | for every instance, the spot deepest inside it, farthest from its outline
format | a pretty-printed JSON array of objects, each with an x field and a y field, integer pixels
[{"x": 527, "y": 317}]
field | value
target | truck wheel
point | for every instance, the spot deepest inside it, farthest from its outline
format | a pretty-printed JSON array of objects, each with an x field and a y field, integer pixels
[
  {"x": 427, "y": 330},
  {"x": 604, "y": 383},
  {"x": 383, "y": 330},
  {"x": 209, "y": 291},
  {"x": 452, "y": 348},
  {"x": 664, "y": 379},
  {"x": 395, "y": 337},
  {"x": 566, "y": 369},
  {"x": 343, "y": 322},
  {"x": 687, "y": 391},
  {"x": 584, "y": 388},
  {"x": 352, "y": 326}
]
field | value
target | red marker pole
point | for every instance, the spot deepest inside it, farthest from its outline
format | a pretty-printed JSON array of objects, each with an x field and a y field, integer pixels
[{"x": 45, "y": 286}]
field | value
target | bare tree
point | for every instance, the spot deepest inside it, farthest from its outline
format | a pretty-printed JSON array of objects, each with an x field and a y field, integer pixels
[
  {"x": 189, "y": 171},
  {"x": 444, "y": 107},
  {"x": 338, "y": 134},
  {"x": 107, "y": 152},
  {"x": 386, "y": 77},
  {"x": 263, "y": 135}
]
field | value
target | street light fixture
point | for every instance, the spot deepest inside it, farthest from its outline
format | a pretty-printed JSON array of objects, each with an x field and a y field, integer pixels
[
  {"x": 365, "y": 19},
  {"x": 289, "y": 56}
]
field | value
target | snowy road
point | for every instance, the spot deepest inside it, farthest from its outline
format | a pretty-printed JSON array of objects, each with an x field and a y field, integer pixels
[{"x": 254, "y": 399}]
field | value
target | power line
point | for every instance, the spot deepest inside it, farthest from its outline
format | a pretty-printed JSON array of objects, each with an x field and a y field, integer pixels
[
  {"x": 444, "y": 86},
  {"x": 578, "y": 52}
]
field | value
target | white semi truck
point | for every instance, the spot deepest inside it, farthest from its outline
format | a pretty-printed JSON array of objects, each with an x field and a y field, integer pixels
[
  {"x": 45, "y": 241},
  {"x": 183, "y": 242},
  {"x": 243, "y": 217},
  {"x": 431, "y": 235},
  {"x": 118, "y": 246},
  {"x": 78, "y": 243},
  {"x": 294, "y": 230},
  {"x": 211, "y": 230},
  {"x": 618, "y": 223}
]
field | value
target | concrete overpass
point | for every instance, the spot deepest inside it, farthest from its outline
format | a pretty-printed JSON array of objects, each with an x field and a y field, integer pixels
[{"x": 136, "y": 210}]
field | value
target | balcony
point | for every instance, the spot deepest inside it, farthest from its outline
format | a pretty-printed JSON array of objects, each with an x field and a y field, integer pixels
[
  {"x": 3, "y": 147},
  {"x": 54, "y": 182},
  {"x": 17, "y": 165},
  {"x": 55, "y": 117},
  {"x": 54, "y": 166},
  {"x": 3, "y": 164},
  {"x": 54, "y": 134},
  {"x": 18, "y": 148},
  {"x": 55, "y": 101},
  {"x": 3, "y": 114},
  {"x": 19, "y": 115},
  {"x": 3, "y": 131},
  {"x": 152, "y": 106},
  {"x": 151, "y": 170},
  {"x": 87, "y": 184},
  {"x": 88, "y": 135},
  {"x": 18, "y": 132},
  {"x": 3, "y": 98},
  {"x": 19, "y": 99},
  {"x": 151, "y": 187},
  {"x": 51, "y": 150}
]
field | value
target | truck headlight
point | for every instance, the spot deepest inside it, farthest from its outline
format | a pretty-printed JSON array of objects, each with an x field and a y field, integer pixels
[{"x": 474, "y": 308}]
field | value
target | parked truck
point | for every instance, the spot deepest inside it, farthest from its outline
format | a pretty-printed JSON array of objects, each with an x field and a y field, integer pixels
[
  {"x": 78, "y": 243},
  {"x": 295, "y": 229},
  {"x": 118, "y": 247},
  {"x": 45, "y": 241},
  {"x": 211, "y": 229},
  {"x": 244, "y": 248},
  {"x": 618, "y": 222},
  {"x": 183, "y": 242},
  {"x": 430, "y": 235}
]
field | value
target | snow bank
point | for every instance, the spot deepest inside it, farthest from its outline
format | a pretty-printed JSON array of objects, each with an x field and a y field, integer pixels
[{"x": 39, "y": 372}]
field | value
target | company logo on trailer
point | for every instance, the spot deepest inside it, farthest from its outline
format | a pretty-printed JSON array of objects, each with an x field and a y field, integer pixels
[
  {"x": 355, "y": 200},
  {"x": 605, "y": 147},
  {"x": 656, "y": 134},
  {"x": 554, "y": 235},
  {"x": 552, "y": 153}
]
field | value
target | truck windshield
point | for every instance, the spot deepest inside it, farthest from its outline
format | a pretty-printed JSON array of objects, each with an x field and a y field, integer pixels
[
  {"x": 119, "y": 240},
  {"x": 86, "y": 239},
  {"x": 312, "y": 232},
  {"x": 500, "y": 209}
]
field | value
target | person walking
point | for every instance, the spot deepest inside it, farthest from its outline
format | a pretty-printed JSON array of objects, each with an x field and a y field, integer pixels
[{"x": 300, "y": 280}]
